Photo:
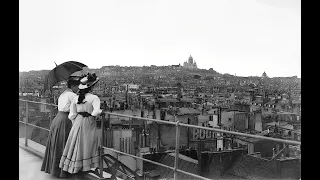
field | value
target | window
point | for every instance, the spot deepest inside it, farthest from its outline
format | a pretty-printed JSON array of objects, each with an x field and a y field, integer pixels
[{"x": 229, "y": 119}]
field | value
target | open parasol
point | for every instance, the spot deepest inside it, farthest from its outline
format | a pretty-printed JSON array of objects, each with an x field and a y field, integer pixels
[{"x": 62, "y": 72}]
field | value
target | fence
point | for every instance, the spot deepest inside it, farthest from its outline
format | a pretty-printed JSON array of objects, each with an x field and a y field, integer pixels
[
  {"x": 177, "y": 124},
  {"x": 36, "y": 117}
]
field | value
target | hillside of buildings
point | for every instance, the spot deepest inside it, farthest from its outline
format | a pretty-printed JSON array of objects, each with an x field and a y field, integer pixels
[
  {"x": 170, "y": 76},
  {"x": 254, "y": 105}
]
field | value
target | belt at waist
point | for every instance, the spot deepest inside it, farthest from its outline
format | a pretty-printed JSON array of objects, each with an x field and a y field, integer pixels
[
  {"x": 63, "y": 112},
  {"x": 84, "y": 114}
]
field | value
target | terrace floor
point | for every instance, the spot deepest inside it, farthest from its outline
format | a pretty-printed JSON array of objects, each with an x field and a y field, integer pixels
[
  {"x": 30, "y": 161},
  {"x": 29, "y": 167}
]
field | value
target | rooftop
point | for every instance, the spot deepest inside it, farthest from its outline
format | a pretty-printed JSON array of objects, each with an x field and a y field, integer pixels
[
  {"x": 242, "y": 167},
  {"x": 184, "y": 164},
  {"x": 185, "y": 111},
  {"x": 252, "y": 168}
]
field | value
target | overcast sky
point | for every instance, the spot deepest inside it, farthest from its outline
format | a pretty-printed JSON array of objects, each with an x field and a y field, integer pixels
[{"x": 242, "y": 37}]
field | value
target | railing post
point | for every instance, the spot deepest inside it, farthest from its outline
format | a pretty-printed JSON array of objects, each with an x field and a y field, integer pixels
[
  {"x": 110, "y": 132},
  {"x": 101, "y": 146},
  {"x": 102, "y": 129},
  {"x": 26, "y": 121},
  {"x": 176, "y": 159},
  {"x": 51, "y": 114}
]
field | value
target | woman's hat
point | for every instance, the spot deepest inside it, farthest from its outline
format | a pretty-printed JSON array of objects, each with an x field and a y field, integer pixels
[
  {"x": 88, "y": 81},
  {"x": 76, "y": 78}
]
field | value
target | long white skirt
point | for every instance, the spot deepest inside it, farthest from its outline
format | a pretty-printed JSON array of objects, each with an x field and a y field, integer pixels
[{"x": 81, "y": 150}]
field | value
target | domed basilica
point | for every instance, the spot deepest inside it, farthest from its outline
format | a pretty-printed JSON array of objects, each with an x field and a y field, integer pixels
[{"x": 190, "y": 64}]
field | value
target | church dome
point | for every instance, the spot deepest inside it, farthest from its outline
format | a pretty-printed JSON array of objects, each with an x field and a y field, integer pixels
[
  {"x": 190, "y": 64},
  {"x": 264, "y": 74},
  {"x": 190, "y": 59}
]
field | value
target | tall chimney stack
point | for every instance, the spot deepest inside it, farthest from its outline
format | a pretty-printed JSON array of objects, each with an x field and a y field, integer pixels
[
  {"x": 273, "y": 152},
  {"x": 277, "y": 148}
]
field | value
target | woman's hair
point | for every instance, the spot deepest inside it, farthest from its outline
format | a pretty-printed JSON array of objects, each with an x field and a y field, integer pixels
[
  {"x": 72, "y": 82},
  {"x": 82, "y": 93},
  {"x": 88, "y": 80}
]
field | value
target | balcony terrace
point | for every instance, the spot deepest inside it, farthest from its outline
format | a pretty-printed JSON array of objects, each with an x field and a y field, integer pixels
[{"x": 115, "y": 162}]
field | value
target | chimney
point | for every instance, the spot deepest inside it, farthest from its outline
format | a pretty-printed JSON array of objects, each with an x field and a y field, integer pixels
[
  {"x": 277, "y": 148},
  {"x": 287, "y": 150},
  {"x": 229, "y": 146},
  {"x": 258, "y": 154},
  {"x": 273, "y": 152}
]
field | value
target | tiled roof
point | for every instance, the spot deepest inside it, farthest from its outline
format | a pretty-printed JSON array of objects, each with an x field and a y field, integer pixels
[
  {"x": 250, "y": 167},
  {"x": 258, "y": 101},
  {"x": 287, "y": 126},
  {"x": 296, "y": 102},
  {"x": 167, "y": 100},
  {"x": 184, "y": 165},
  {"x": 188, "y": 111},
  {"x": 272, "y": 102},
  {"x": 251, "y": 140},
  {"x": 230, "y": 176},
  {"x": 284, "y": 101},
  {"x": 187, "y": 100},
  {"x": 286, "y": 113}
]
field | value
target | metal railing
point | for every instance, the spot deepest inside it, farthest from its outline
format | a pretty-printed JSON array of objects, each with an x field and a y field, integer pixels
[
  {"x": 177, "y": 124},
  {"x": 26, "y": 122}
]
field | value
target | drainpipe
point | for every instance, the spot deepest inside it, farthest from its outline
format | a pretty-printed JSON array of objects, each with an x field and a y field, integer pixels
[
  {"x": 200, "y": 144},
  {"x": 188, "y": 134}
]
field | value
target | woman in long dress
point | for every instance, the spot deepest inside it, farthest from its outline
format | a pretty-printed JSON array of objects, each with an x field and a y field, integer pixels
[
  {"x": 59, "y": 131},
  {"x": 81, "y": 151}
]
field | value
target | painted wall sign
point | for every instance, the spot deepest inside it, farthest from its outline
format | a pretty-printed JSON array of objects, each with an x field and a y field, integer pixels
[{"x": 201, "y": 134}]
